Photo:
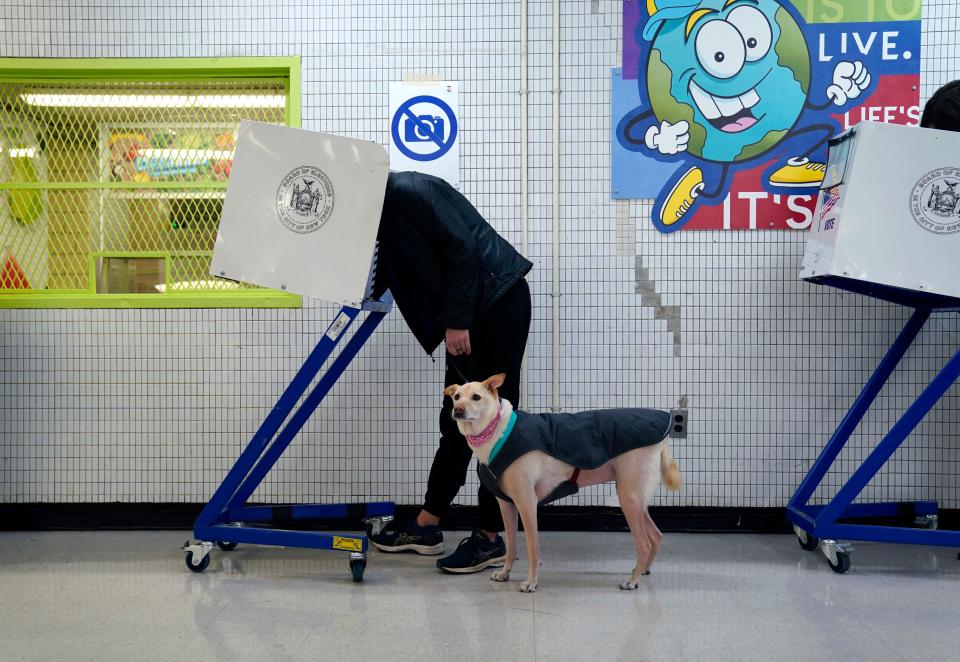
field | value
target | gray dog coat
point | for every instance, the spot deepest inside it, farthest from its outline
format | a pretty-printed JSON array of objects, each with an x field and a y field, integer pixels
[{"x": 586, "y": 440}]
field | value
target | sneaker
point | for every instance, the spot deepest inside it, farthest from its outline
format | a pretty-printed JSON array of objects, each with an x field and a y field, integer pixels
[
  {"x": 681, "y": 198},
  {"x": 799, "y": 172},
  {"x": 411, "y": 538},
  {"x": 473, "y": 554}
]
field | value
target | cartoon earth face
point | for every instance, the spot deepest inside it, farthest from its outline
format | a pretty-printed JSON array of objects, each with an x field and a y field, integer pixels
[{"x": 740, "y": 78}]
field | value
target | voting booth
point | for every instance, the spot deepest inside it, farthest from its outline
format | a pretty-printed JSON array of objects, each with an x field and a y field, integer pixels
[
  {"x": 888, "y": 216},
  {"x": 301, "y": 215},
  {"x": 887, "y": 225}
]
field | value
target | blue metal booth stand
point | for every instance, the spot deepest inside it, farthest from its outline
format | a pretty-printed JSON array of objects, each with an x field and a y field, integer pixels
[
  {"x": 823, "y": 526},
  {"x": 227, "y": 520}
]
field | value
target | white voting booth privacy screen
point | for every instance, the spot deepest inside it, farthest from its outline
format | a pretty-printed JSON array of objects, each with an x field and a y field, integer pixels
[
  {"x": 889, "y": 211},
  {"x": 301, "y": 212}
]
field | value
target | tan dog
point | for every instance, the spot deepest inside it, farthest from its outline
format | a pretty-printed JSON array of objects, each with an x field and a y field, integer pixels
[{"x": 483, "y": 418}]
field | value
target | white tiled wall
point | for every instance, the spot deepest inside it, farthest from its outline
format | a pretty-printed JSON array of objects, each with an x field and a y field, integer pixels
[{"x": 153, "y": 405}]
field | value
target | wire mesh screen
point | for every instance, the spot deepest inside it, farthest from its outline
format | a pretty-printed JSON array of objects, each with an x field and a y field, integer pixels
[
  {"x": 154, "y": 405},
  {"x": 117, "y": 186}
]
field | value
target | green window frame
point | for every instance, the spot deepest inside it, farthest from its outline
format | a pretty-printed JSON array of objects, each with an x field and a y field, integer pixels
[{"x": 113, "y": 172}]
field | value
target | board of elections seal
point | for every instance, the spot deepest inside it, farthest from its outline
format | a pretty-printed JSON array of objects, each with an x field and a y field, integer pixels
[
  {"x": 935, "y": 201},
  {"x": 305, "y": 199}
]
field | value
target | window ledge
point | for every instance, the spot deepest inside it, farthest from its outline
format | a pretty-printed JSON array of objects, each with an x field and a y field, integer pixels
[{"x": 258, "y": 299}]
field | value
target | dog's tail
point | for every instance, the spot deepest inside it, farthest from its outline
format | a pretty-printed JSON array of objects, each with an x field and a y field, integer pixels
[{"x": 669, "y": 469}]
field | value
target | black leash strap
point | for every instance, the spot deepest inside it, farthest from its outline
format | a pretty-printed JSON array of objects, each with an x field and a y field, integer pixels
[{"x": 456, "y": 369}]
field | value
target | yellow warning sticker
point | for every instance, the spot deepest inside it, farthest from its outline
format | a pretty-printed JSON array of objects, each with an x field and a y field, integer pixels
[{"x": 349, "y": 544}]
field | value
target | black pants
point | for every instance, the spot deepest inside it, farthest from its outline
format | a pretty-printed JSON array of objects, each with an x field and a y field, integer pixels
[{"x": 497, "y": 343}]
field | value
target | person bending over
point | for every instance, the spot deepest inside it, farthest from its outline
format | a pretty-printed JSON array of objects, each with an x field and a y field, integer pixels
[{"x": 456, "y": 281}]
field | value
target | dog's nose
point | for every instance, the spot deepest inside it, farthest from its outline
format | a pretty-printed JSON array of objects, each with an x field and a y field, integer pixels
[{"x": 458, "y": 411}]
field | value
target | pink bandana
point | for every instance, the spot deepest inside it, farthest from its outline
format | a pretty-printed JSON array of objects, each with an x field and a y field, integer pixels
[{"x": 476, "y": 441}]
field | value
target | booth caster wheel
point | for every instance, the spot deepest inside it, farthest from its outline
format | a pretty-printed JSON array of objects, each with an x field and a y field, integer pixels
[
  {"x": 838, "y": 555},
  {"x": 358, "y": 563},
  {"x": 227, "y": 546},
  {"x": 809, "y": 544},
  {"x": 376, "y": 524},
  {"x": 807, "y": 541},
  {"x": 197, "y": 555},
  {"x": 841, "y": 565},
  {"x": 197, "y": 567},
  {"x": 927, "y": 522}
]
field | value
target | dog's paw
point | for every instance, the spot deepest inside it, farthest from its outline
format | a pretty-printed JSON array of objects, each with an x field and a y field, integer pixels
[
  {"x": 500, "y": 576},
  {"x": 628, "y": 585},
  {"x": 528, "y": 587}
]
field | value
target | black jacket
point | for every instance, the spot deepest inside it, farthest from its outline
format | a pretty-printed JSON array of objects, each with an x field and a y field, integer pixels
[
  {"x": 585, "y": 440},
  {"x": 445, "y": 265}
]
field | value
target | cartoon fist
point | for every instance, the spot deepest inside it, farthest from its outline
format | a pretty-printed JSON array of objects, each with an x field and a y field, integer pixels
[
  {"x": 849, "y": 80},
  {"x": 668, "y": 138}
]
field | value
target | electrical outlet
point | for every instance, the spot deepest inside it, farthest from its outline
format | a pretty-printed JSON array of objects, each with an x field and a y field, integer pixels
[{"x": 678, "y": 423}]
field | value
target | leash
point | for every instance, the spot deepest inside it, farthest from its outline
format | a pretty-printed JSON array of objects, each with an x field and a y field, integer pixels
[{"x": 453, "y": 364}]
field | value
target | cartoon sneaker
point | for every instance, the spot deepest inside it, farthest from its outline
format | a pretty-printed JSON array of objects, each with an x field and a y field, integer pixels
[
  {"x": 798, "y": 173},
  {"x": 682, "y": 197}
]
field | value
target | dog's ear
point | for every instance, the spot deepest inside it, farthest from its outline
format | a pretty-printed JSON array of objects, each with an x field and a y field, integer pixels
[
  {"x": 495, "y": 382},
  {"x": 450, "y": 390}
]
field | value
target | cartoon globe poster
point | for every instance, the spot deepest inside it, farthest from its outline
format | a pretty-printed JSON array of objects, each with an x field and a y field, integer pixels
[{"x": 723, "y": 109}]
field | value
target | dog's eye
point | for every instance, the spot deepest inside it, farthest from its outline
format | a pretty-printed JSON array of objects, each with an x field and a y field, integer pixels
[
  {"x": 456, "y": 397},
  {"x": 476, "y": 397}
]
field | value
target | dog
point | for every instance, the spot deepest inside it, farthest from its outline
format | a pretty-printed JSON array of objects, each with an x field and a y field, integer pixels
[{"x": 552, "y": 455}]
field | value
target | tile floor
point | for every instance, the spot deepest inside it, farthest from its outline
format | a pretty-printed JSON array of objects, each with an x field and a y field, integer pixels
[{"x": 128, "y": 596}]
